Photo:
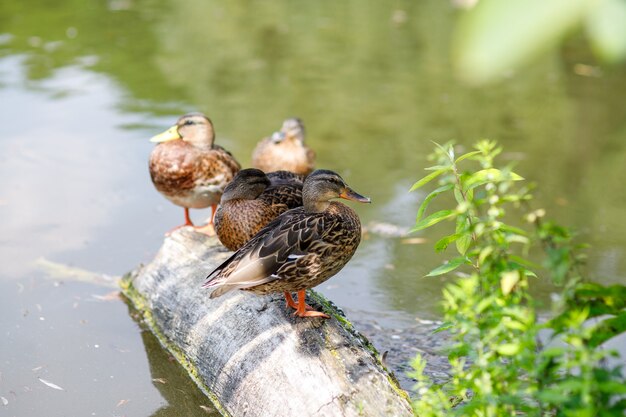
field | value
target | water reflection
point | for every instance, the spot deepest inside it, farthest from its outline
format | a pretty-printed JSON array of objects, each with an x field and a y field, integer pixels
[
  {"x": 54, "y": 166},
  {"x": 182, "y": 396},
  {"x": 84, "y": 85}
]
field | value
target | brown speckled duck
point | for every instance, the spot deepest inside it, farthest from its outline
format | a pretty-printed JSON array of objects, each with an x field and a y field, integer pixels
[
  {"x": 188, "y": 169},
  {"x": 300, "y": 249},
  {"x": 251, "y": 201},
  {"x": 285, "y": 150}
]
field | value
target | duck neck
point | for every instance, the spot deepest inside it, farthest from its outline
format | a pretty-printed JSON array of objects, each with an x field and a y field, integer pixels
[
  {"x": 297, "y": 137},
  {"x": 315, "y": 206},
  {"x": 202, "y": 137}
]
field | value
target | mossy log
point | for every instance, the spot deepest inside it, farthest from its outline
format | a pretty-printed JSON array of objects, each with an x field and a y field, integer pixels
[{"x": 248, "y": 353}]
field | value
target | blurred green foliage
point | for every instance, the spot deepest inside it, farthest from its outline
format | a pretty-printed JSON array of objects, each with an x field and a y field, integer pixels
[
  {"x": 505, "y": 360},
  {"x": 498, "y": 36}
]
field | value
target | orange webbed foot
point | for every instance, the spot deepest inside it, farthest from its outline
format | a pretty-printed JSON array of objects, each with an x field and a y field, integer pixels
[
  {"x": 311, "y": 314},
  {"x": 207, "y": 229},
  {"x": 302, "y": 309}
]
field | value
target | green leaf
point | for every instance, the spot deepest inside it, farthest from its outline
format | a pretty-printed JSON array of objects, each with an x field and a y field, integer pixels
[
  {"x": 433, "y": 219},
  {"x": 553, "y": 352},
  {"x": 517, "y": 239},
  {"x": 508, "y": 281},
  {"x": 515, "y": 325},
  {"x": 443, "y": 327},
  {"x": 607, "y": 329},
  {"x": 508, "y": 349},
  {"x": 437, "y": 168},
  {"x": 512, "y": 229},
  {"x": 524, "y": 262},
  {"x": 553, "y": 396},
  {"x": 600, "y": 299},
  {"x": 429, "y": 198},
  {"x": 613, "y": 387},
  {"x": 443, "y": 243},
  {"x": 448, "y": 150},
  {"x": 448, "y": 266},
  {"x": 489, "y": 175},
  {"x": 427, "y": 179},
  {"x": 484, "y": 253},
  {"x": 458, "y": 196},
  {"x": 526, "y": 272},
  {"x": 465, "y": 238},
  {"x": 467, "y": 155},
  {"x": 463, "y": 243}
]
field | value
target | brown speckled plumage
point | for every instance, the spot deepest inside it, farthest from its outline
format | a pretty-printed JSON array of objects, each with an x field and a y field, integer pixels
[
  {"x": 191, "y": 177},
  {"x": 251, "y": 201},
  {"x": 285, "y": 150},
  {"x": 301, "y": 248}
]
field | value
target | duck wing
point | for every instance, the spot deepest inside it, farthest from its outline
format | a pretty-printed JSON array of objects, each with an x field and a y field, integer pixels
[
  {"x": 278, "y": 245},
  {"x": 287, "y": 194},
  {"x": 285, "y": 177}
]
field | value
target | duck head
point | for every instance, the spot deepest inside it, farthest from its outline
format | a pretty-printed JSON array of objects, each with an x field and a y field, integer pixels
[
  {"x": 248, "y": 184},
  {"x": 194, "y": 128},
  {"x": 321, "y": 186},
  {"x": 292, "y": 129}
]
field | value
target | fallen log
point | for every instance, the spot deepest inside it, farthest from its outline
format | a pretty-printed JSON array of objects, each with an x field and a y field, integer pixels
[{"x": 248, "y": 353}]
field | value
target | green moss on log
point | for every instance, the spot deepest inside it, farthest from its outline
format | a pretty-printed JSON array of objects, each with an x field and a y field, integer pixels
[{"x": 332, "y": 310}]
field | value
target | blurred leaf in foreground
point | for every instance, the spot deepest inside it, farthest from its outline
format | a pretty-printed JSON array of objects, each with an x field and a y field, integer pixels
[{"x": 499, "y": 36}]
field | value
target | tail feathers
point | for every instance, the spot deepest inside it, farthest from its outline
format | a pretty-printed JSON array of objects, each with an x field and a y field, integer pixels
[
  {"x": 222, "y": 290},
  {"x": 209, "y": 283}
]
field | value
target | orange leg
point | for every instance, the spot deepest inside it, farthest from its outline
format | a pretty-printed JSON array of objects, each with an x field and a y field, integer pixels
[
  {"x": 291, "y": 303},
  {"x": 302, "y": 311},
  {"x": 188, "y": 221},
  {"x": 213, "y": 211}
]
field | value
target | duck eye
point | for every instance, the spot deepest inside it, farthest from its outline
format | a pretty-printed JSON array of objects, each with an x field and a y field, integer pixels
[{"x": 188, "y": 122}]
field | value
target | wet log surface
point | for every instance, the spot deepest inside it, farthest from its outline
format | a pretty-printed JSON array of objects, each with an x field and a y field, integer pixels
[{"x": 248, "y": 353}]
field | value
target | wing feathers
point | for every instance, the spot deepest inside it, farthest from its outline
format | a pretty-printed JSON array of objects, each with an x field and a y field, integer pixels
[{"x": 281, "y": 243}]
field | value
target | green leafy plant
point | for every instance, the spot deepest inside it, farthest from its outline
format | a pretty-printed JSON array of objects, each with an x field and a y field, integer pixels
[{"x": 507, "y": 360}]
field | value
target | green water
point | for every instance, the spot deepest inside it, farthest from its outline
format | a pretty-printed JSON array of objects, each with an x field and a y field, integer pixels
[{"x": 83, "y": 85}]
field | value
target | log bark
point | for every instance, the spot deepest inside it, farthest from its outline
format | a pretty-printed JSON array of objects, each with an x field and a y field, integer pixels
[{"x": 248, "y": 353}]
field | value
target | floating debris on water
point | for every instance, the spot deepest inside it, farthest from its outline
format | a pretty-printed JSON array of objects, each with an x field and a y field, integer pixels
[
  {"x": 385, "y": 229},
  {"x": 111, "y": 296},
  {"x": 59, "y": 271},
  {"x": 122, "y": 402},
  {"x": 51, "y": 384}
]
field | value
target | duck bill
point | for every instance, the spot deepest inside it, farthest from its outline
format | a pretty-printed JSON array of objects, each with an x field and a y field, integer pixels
[
  {"x": 350, "y": 194},
  {"x": 169, "y": 134}
]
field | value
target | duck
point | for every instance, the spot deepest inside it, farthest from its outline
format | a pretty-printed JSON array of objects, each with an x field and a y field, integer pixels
[
  {"x": 251, "y": 201},
  {"x": 285, "y": 150},
  {"x": 298, "y": 250},
  {"x": 285, "y": 177},
  {"x": 189, "y": 169}
]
